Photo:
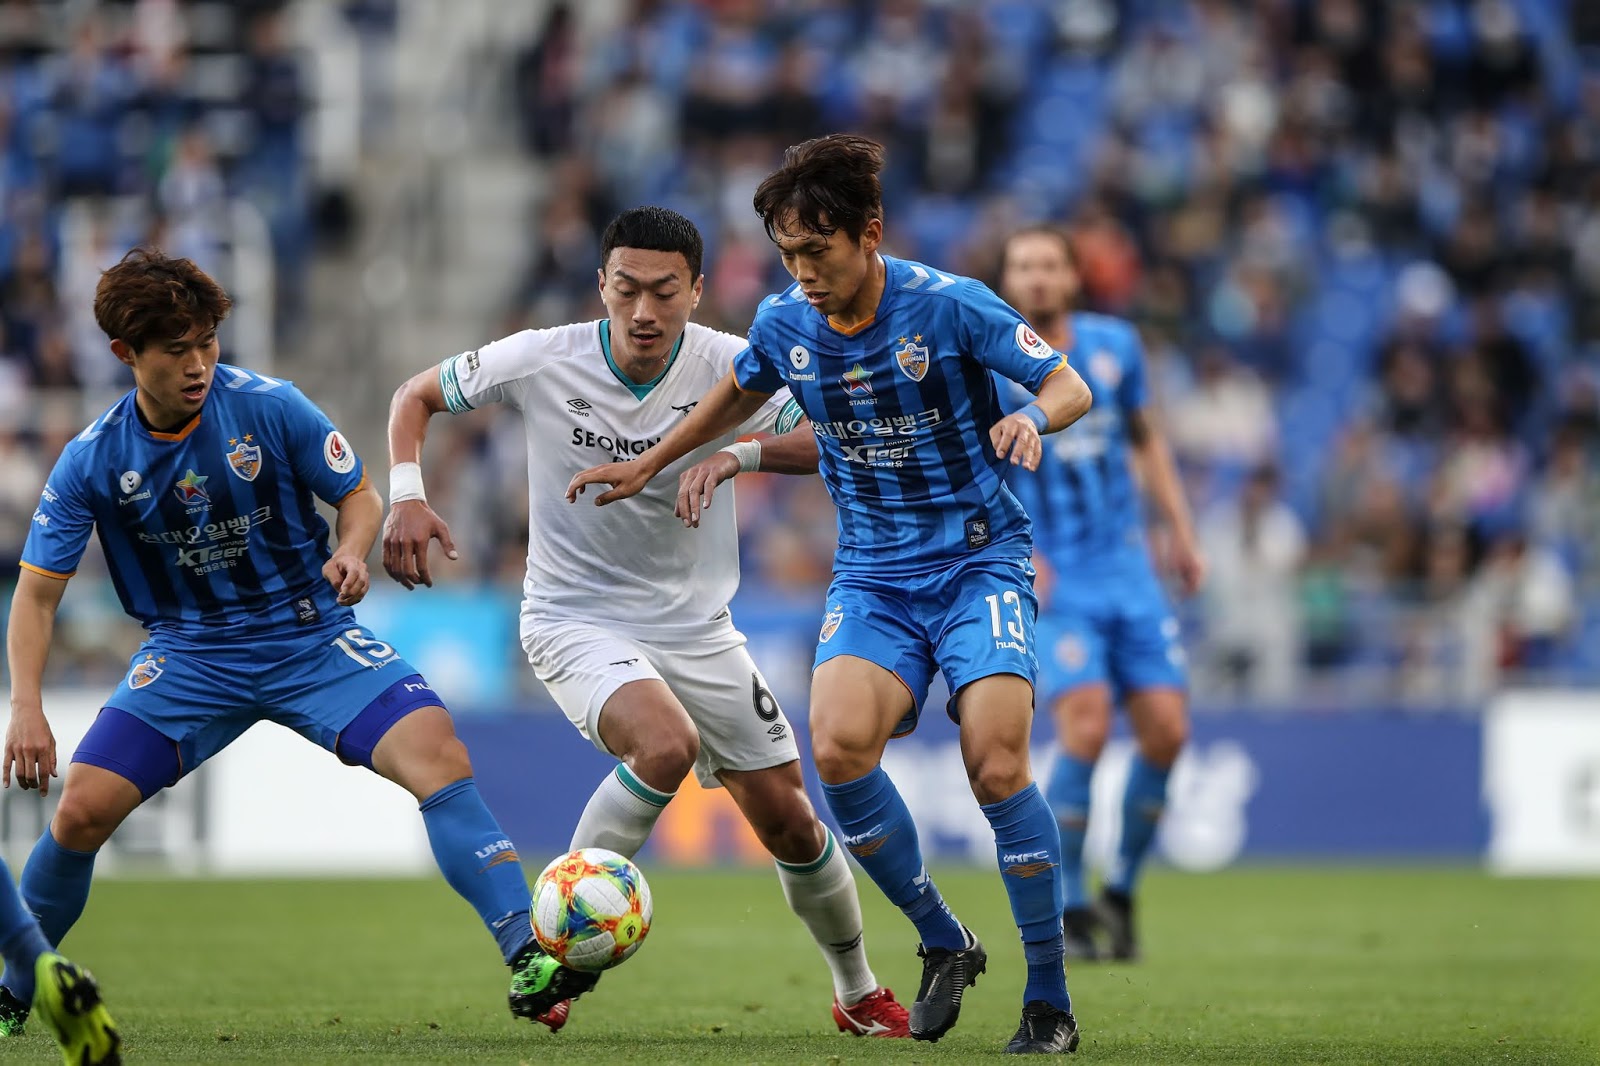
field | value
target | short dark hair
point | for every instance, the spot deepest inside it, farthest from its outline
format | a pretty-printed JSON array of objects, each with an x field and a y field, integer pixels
[
  {"x": 1043, "y": 229},
  {"x": 149, "y": 296},
  {"x": 655, "y": 229},
  {"x": 829, "y": 183}
]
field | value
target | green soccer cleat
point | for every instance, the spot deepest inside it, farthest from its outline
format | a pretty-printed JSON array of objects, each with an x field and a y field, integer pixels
[
  {"x": 540, "y": 985},
  {"x": 13, "y": 1014},
  {"x": 68, "y": 1001}
]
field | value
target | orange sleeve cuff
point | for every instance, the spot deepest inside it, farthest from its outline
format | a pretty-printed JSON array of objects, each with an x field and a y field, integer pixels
[
  {"x": 359, "y": 486},
  {"x": 48, "y": 573}
]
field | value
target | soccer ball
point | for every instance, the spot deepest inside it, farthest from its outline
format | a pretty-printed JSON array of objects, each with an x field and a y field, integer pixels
[{"x": 591, "y": 909}]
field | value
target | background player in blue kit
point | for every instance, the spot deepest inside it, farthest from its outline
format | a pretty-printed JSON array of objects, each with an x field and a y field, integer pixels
[
  {"x": 1106, "y": 631},
  {"x": 891, "y": 361},
  {"x": 200, "y": 484}
]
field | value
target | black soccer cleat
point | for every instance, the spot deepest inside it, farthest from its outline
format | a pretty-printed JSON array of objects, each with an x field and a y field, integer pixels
[
  {"x": 1045, "y": 1030},
  {"x": 945, "y": 977},
  {"x": 1078, "y": 924},
  {"x": 1114, "y": 911},
  {"x": 13, "y": 1014},
  {"x": 539, "y": 982}
]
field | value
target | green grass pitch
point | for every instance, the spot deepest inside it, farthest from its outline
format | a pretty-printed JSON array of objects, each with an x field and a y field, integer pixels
[{"x": 1258, "y": 965}]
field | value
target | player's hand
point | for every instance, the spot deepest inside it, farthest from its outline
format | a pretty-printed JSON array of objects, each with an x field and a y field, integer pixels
[
  {"x": 32, "y": 748},
  {"x": 626, "y": 479},
  {"x": 1016, "y": 435},
  {"x": 348, "y": 576},
  {"x": 698, "y": 484},
  {"x": 408, "y": 533},
  {"x": 1188, "y": 564}
]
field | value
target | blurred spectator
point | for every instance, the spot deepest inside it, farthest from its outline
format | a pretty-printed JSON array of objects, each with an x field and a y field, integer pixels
[{"x": 1255, "y": 548}]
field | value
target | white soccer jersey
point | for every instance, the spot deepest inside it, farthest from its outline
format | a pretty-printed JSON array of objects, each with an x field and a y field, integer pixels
[{"x": 633, "y": 565}]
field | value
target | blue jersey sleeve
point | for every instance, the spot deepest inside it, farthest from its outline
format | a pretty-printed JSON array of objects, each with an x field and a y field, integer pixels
[
  {"x": 1131, "y": 394},
  {"x": 319, "y": 454},
  {"x": 754, "y": 368},
  {"x": 996, "y": 336},
  {"x": 62, "y": 524}
]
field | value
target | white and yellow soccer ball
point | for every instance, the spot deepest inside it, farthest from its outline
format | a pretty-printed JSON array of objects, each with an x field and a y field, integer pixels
[{"x": 591, "y": 909}]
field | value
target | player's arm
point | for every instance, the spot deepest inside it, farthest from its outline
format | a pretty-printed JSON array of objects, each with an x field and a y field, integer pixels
[
  {"x": 794, "y": 452},
  {"x": 720, "y": 411},
  {"x": 1152, "y": 458},
  {"x": 1062, "y": 400},
  {"x": 412, "y": 525},
  {"x": 360, "y": 514},
  {"x": 30, "y": 745}
]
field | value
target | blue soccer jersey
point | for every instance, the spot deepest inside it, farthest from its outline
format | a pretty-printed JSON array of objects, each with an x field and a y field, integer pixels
[
  {"x": 1108, "y": 618},
  {"x": 211, "y": 534},
  {"x": 902, "y": 408},
  {"x": 1083, "y": 498}
]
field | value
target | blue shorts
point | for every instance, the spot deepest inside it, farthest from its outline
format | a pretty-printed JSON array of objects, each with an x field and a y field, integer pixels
[
  {"x": 1121, "y": 633},
  {"x": 971, "y": 621},
  {"x": 320, "y": 685}
]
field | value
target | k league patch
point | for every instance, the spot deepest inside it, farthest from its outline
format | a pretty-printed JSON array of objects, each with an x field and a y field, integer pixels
[
  {"x": 244, "y": 458},
  {"x": 337, "y": 453},
  {"x": 1032, "y": 344}
]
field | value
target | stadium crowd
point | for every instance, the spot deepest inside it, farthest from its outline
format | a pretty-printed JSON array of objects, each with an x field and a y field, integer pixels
[{"x": 1361, "y": 239}]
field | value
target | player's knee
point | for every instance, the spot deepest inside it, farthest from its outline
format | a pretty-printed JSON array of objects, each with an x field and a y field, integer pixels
[
  {"x": 839, "y": 762},
  {"x": 665, "y": 759},
  {"x": 1164, "y": 739},
  {"x": 81, "y": 824},
  {"x": 998, "y": 775}
]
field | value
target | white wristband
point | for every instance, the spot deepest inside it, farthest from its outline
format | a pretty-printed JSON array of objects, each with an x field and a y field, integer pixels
[
  {"x": 405, "y": 483},
  {"x": 748, "y": 452}
]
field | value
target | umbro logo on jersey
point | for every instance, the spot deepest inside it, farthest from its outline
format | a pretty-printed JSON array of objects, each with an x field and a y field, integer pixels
[{"x": 580, "y": 407}]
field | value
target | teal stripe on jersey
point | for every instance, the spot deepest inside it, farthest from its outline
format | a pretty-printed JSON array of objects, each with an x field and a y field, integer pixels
[{"x": 455, "y": 401}]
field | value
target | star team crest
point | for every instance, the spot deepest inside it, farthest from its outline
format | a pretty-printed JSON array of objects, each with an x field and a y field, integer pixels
[
  {"x": 245, "y": 458},
  {"x": 191, "y": 488},
  {"x": 146, "y": 672},
  {"x": 830, "y": 624},
  {"x": 857, "y": 381},
  {"x": 912, "y": 358}
]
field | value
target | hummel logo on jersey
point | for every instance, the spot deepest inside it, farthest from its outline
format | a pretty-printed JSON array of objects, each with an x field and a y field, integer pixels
[
  {"x": 580, "y": 407},
  {"x": 686, "y": 408},
  {"x": 129, "y": 483},
  {"x": 623, "y": 662}
]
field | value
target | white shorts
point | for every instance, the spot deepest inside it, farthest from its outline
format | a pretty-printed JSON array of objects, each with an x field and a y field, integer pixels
[{"x": 741, "y": 725}]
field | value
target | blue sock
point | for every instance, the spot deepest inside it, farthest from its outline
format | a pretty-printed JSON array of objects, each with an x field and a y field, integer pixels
[
  {"x": 21, "y": 940},
  {"x": 877, "y": 829},
  {"x": 1029, "y": 849},
  {"x": 1142, "y": 804},
  {"x": 479, "y": 862},
  {"x": 55, "y": 888},
  {"x": 1068, "y": 793}
]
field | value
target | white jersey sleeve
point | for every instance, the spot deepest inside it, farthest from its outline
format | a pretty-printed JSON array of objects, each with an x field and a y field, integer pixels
[{"x": 495, "y": 373}]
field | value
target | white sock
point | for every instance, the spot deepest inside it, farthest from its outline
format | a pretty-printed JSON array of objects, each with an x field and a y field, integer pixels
[
  {"x": 823, "y": 894},
  {"x": 620, "y": 814}
]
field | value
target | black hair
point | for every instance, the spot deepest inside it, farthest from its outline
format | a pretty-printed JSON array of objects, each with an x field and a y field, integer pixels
[
  {"x": 654, "y": 229},
  {"x": 828, "y": 184}
]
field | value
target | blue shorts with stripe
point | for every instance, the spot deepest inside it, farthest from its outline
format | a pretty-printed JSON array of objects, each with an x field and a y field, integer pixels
[
  {"x": 1119, "y": 632},
  {"x": 202, "y": 699},
  {"x": 970, "y": 621}
]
